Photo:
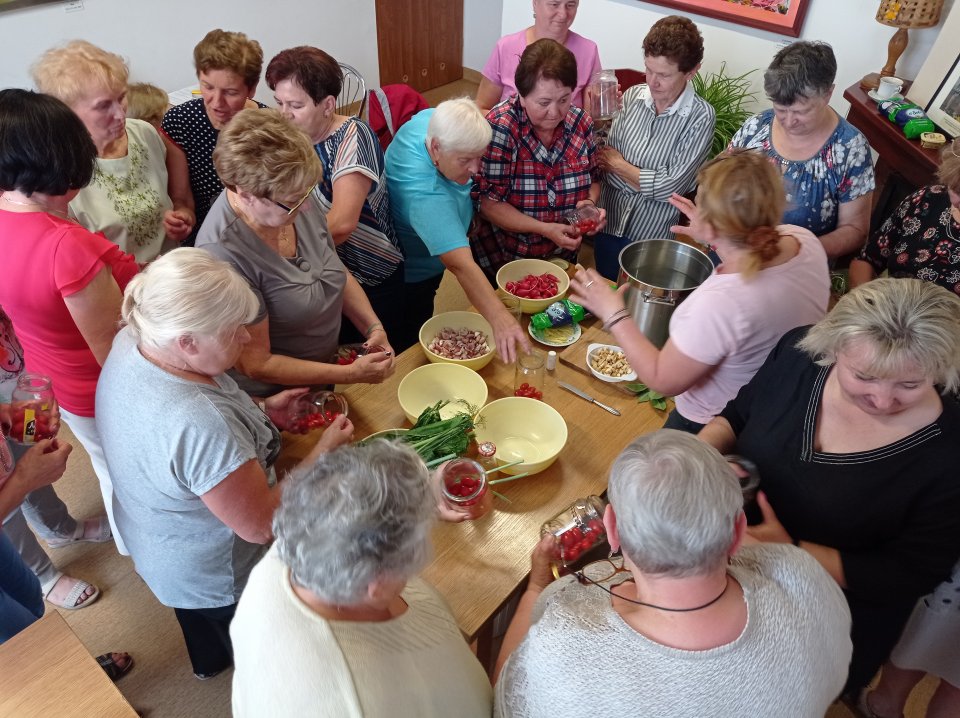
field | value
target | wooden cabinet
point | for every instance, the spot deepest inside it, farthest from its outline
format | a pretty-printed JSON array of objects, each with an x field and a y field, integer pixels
[{"x": 420, "y": 42}]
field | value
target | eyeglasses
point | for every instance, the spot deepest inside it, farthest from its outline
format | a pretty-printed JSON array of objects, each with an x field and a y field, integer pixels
[
  {"x": 955, "y": 147},
  {"x": 601, "y": 571},
  {"x": 294, "y": 208}
]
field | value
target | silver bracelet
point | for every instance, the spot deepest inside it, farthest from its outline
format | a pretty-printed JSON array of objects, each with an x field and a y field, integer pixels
[{"x": 617, "y": 316}]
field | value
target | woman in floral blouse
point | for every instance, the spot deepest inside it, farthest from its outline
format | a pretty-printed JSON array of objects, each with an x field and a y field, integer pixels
[
  {"x": 922, "y": 237},
  {"x": 540, "y": 165},
  {"x": 825, "y": 160}
]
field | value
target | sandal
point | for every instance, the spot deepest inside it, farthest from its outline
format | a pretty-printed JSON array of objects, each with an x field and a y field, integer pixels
[
  {"x": 112, "y": 668},
  {"x": 72, "y": 601},
  {"x": 100, "y": 535},
  {"x": 864, "y": 708}
]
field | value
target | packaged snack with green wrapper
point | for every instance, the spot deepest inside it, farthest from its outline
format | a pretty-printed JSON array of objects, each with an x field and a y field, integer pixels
[{"x": 909, "y": 116}]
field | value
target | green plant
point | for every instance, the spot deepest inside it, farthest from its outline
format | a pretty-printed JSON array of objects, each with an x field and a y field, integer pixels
[{"x": 727, "y": 95}]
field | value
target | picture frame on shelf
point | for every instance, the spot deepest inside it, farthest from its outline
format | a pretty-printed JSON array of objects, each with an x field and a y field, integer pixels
[
  {"x": 784, "y": 17},
  {"x": 944, "y": 107}
]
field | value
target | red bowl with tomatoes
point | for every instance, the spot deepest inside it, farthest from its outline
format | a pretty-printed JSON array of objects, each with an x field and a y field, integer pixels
[{"x": 532, "y": 280}]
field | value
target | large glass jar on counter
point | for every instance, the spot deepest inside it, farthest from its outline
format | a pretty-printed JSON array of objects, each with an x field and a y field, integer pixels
[
  {"x": 578, "y": 533},
  {"x": 31, "y": 409}
]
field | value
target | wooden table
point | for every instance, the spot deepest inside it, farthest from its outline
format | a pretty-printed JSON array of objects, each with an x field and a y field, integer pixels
[
  {"x": 478, "y": 565},
  {"x": 46, "y": 671}
]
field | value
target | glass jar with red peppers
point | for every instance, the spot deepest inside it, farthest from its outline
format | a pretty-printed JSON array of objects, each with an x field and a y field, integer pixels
[
  {"x": 31, "y": 409},
  {"x": 463, "y": 485},
  {"x": 316, "y": 409},
  {"x": 579, "y": 534},
  {"x": 528, "y": 375}
]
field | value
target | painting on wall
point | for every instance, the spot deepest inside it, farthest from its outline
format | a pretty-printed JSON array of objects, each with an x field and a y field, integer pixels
[
  {"x": 784, "y": 17},
  {"x": 18, "y": 4},
  {"x": 944, "y": 108}
]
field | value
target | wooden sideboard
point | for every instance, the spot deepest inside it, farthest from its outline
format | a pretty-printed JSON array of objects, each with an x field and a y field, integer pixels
[{"x": 902, "y": 165}]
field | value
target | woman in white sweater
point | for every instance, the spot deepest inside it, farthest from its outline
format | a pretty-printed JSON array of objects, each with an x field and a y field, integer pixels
[
  {"x": 666, "y": 632},
  {"x": 332, "y": 621}
]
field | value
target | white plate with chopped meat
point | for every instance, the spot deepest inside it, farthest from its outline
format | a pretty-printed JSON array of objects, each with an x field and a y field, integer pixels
[
  {"x": 608, "y": 362},
  {"x": 464, "y": 338}
]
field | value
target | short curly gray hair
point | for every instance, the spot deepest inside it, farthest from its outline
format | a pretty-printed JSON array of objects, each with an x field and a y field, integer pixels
[
  {"x": 677, "y": 501},
  {"x": 359, "y": 513},
  {"x": 800, "y": 70},
  {"x": 903, "y": 320}
]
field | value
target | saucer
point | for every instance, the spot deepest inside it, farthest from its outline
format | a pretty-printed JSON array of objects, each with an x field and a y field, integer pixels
[{"x": 872, "y": 94}]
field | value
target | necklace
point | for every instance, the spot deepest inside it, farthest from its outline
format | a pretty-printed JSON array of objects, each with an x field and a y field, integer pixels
[
  {"x": 42, "y": 207},
  {"x": 653, "y": 605},
  {"x": 172, "y": 368},
  {"x": 285, "y": 244}
]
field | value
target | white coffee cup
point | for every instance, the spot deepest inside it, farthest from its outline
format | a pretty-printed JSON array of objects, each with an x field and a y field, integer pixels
[{"x": 889, "y": 86}]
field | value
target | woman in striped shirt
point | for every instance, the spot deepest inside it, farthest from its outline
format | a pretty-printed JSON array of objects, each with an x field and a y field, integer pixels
[{"x": 657, "y": 142}]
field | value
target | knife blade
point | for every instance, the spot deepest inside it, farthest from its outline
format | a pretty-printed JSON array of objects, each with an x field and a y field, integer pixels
[{"x": 584, "y": 395}]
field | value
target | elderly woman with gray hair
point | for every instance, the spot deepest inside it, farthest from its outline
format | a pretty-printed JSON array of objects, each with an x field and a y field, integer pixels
[
  {"x": 197, "y": 489},
  {"x": 853, "y": 428},
  {"x": 665, "y": 631},
  {"x": 335, "y": 605},
  {"x": 825, "y": 160},
  {"x": 430, "y": 168}
]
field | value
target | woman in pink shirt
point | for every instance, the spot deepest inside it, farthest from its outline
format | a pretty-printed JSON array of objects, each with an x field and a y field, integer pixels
[
  {"x": 772, "y": 278},
  {"x": 61, "y": 283},
  {"x": 551, "y": 19}
]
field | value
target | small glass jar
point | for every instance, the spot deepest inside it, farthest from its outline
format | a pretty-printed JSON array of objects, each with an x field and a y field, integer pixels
[
  {"x": 583, "y": 219},
  {"x": 316, "y": 409},
  {"x": 577, "y": 531},
  {"x": 749, "y": 483},
  {"x": 463, "y": 484},
  {"x": 32, "y": 409},
  {"x": 602, "y": 95},
  {"x": 487, "y": 455},
  {"x": 528, "y": 376}
]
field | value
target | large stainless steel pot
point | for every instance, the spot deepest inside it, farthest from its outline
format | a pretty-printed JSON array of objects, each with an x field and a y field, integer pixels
[{"x": 661, "y": 273}]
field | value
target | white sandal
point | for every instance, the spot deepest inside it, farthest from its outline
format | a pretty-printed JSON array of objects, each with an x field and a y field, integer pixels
[
  {"x": 71, "y": 601},
  {"x": 79, "y": 534}
]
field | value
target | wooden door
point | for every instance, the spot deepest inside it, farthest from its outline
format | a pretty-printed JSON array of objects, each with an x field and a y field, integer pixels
[{"x": 420, "y": 42}]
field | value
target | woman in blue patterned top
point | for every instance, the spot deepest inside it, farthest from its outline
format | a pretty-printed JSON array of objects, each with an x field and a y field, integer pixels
[
  {"x": 353, "y": 191},
  {"x": 825, "y": 160}
]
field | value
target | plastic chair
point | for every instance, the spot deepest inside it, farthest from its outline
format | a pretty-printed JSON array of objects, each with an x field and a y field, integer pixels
[
  {"x": 352, "y": 99},
  {"x": 628, "y": 78}
]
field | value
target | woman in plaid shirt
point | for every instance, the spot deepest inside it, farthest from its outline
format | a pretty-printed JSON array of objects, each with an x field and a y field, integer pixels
[{"x": 540, "y": 165}]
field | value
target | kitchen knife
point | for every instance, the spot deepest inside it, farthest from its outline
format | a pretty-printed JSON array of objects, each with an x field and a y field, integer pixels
[{"x": 584, "y": 395}]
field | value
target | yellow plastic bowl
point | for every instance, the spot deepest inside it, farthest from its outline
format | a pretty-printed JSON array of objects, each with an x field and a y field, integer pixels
[
  {"x": 426, "y": 385},
  {"x": 457, "y": 320},
  {"x": 522, "y": 429},
  {"x": 385, "y": 434},
  {"x": 519, "y": 268}
]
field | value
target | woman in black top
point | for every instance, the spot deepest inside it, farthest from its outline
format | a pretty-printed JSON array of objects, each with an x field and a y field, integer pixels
[{"x": 856, "y": 445}]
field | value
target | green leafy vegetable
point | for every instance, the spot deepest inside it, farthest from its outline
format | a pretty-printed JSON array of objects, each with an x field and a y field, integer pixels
[
  {"x": 644, "y": 393},
  {"x": 433, "y": 437}
]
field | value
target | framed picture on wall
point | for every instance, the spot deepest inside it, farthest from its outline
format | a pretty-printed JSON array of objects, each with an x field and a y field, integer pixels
[
  {"x": 944, "y": 108},
  {"x": 781, "y": 16},
  {"x": 17, "y": 4}
]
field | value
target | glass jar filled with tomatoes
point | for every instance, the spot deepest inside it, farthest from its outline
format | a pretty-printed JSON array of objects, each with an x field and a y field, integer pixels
[
  {"x": 316, "y": 410},
  {"x": 578, "y": 532},
  {"x": 32, "y": 409},
  {"x": 463, "y": 485},
  {"x": 528, "y": 375}
]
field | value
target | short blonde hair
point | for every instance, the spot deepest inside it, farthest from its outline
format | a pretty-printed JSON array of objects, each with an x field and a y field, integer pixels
[
  {"x": 233, "y": 51},
  {"x": 262, "y": 153},
  {"x": 147, "y": 102},
  {"x": 741, "y": 195},
  {"x": 903, "y": 321},
  {"x": 186, "y": 291},
  {"x": 949, "y": 171},
  {"x": 459, "y": 126},
  {"x": 70, "y": 71}
]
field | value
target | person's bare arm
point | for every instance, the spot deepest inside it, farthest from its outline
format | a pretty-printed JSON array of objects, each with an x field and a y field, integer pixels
[
  {"x": 258, "y": 361},
  {"x": 860, "y": 272},
  {"x": 95, "y": 310},
  {"x": 488, "y": 94},
  {"x": 507, "y": 332},
  {"x": 508, "y": 217},
  {"x": 41, "y": 465},
  {"x": 853, "y": 224},
  {"x": 719, "y": 434},
  {"x": 178, "y": 222},
  {"x": 349, "y": 193}
]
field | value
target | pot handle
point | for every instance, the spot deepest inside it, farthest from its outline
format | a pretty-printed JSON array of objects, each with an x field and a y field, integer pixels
[{"x": 649, "y": 298}]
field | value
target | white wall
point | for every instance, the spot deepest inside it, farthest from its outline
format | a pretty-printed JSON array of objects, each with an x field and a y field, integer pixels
[
  {"x": 860, "y": 43},
  {"x": 157, "y": 37},
  {"x": 481, "y": 30}
]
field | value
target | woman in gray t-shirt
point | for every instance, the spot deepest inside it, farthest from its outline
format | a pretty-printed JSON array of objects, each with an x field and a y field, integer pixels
[
  {"x": 268, "y": 224},
  {"x": 194, "y": 454}
]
